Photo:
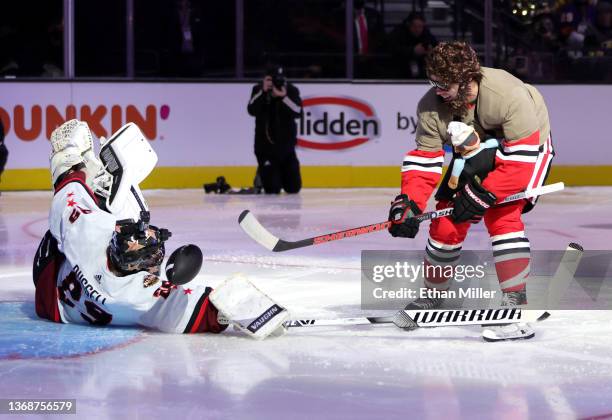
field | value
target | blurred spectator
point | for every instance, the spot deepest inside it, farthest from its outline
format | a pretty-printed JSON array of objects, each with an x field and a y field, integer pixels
[
  {"x": 368, "y": 39},
  {"x": 576, "y": 18},
  {"x": 368, "y": 34},
  {"x": 187, "y": 52},
  {"x": 538, "y": 60},
  {"x": 275, "y": 103},
  {"x": 544, "y": 33},
  {"x": 3, "y": 150},
  {"x": 599, "y": 37},
  {"x": 410, "y": 42}
]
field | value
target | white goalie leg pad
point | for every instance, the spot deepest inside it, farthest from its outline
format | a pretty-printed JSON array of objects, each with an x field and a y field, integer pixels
[
  {"x": 128, "y": 159},
  {"x": 248, "y": 308},
  {"x": 71, "y": 144}
]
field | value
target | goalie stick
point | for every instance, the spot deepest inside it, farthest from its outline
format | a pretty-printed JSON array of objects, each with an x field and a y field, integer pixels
[
  {"x": 565, "y": 273},
  {"x": 261, "y": 235},
  {"x": 458, "y": 317},
  {"x": 433, "y": 318}
]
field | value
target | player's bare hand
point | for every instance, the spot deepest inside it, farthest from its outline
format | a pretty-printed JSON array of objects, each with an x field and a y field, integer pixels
[{"x": 267, "y": 84}]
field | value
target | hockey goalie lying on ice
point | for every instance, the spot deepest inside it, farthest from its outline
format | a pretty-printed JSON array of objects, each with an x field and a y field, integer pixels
[{"x": 99, "y": 262}]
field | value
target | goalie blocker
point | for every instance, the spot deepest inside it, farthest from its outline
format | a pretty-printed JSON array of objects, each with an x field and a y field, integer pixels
[{"x": 128, "y": 159}]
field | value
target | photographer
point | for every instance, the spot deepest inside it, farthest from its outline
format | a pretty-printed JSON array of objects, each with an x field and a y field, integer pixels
[{"x": 275, "y": 104}]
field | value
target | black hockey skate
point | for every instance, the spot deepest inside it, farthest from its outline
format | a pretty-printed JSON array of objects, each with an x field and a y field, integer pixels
[
  {"x": 402, "y": 320},
  {"x": 503, "y": 332},
  {"x": 514, "y": 298},
  {"x": 422, "y": 304}
]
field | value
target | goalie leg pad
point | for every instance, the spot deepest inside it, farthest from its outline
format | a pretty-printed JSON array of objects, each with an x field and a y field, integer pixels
[{"x": 248, "y": 308}]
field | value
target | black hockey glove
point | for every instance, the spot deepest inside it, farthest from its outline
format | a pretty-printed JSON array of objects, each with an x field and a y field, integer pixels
[
  {"x": 401, "y": 215},
  {"x": 470, "y": 204}
]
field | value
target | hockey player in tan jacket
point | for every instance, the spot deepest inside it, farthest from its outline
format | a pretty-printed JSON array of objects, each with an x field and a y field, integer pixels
[{"x": 493, "y": 104}]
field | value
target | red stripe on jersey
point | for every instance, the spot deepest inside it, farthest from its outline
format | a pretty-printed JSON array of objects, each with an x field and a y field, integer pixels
[
  {"x": 78, "y": 177},
  {"x": 46, "y": 296},
  {"x": 198, "y": 321},
  {"x": 532, "y": 139},
  {"x": 508, "y": 177},
  {"x": 545, "y": 162},
  {"x": 509, "y": 270},
  {"x": 426, "y": 154},
  {"x": 418, "y": 185}
]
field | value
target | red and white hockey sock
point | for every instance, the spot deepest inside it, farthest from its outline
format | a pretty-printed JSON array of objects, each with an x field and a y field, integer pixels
[
  {"x": 440, "y": 260},
  {"x": 512, "y": 256}
]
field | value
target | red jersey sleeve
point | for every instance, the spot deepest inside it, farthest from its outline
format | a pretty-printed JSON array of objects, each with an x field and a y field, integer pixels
[
  {"x": 514, "y": 165},
  {"x": 421, "y": 172}
]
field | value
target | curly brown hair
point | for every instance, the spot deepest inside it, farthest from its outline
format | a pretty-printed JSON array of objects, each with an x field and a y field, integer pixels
[{"x": 455, "y": 62}]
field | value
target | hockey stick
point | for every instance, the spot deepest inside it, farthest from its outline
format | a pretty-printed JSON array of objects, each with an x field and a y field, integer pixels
[
  {"x": 260, "y": 234},
  {"x": 433, "y": 318},
  {"x": 565, "y": 273}
]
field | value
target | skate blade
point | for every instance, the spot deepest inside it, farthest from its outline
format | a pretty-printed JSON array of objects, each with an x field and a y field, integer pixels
[{"x": 494, "y": 340}]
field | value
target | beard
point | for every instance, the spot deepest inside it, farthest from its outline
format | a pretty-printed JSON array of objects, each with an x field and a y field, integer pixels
[{"x": 459, "y": 105}]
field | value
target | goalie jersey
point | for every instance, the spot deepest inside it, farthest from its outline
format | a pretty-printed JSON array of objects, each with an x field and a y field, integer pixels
[{"x": 74, "y": 283}]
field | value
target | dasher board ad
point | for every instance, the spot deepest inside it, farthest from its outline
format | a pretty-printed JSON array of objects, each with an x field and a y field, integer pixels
[{"x": 208, "y": 125}]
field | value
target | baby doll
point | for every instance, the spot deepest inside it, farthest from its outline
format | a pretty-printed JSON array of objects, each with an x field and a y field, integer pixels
[{"x": 467, "y": 143}]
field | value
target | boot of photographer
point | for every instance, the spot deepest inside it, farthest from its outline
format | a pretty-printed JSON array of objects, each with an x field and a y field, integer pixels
[{"x": 276, "y": 104}]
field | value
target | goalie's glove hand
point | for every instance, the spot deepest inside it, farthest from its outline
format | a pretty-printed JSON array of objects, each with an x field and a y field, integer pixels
[
  {"x": 401, "y": 215},
  {"x": 102, "y": 182},
  {"x": 470, "y": 204}
]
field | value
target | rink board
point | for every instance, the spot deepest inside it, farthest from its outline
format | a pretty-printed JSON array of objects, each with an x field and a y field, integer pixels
[
  {"x": 350, "y": 135},
  {"x": 312, "y": 177}
]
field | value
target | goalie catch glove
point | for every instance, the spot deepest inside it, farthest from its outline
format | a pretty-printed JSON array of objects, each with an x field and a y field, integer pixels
[
  {"x": 71, "y": 144},
  {"x": 401, "y": 215}
]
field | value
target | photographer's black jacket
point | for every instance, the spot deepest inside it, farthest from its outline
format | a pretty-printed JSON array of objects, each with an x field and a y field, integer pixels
[{"x": 275, "y": 126}]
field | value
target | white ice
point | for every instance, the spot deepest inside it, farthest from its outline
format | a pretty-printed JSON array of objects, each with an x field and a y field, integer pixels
[{"x": 355, "y": 372}]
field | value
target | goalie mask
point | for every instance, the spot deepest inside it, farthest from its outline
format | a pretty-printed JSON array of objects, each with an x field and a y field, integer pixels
[{"x": 137, "y": 246}]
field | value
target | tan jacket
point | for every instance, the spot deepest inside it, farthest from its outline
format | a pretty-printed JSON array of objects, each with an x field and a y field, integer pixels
[{"x": 506, "y": 108}]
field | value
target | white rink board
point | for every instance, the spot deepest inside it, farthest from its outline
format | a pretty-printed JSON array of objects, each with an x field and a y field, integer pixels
[{"x": 207, "y": 124}]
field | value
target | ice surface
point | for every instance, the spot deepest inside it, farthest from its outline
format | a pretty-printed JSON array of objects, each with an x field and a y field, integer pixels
[{"x": 356, "y": 372}]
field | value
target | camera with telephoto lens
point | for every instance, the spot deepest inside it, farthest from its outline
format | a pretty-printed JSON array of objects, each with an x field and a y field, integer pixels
[
  {"x": 220, "y": 186},
  {"x": 278, "y": 78}
]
